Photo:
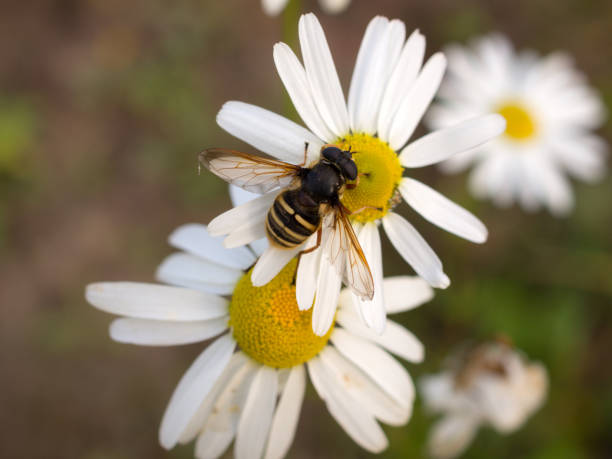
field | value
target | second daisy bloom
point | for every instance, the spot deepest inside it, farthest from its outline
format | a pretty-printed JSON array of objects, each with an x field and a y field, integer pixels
[
  {"x": 390, "y": 90},
  {"x": 550, "y": 111},
  {"x": 249, "y": 384}
]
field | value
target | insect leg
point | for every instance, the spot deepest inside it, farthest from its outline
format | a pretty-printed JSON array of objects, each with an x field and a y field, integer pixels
[
  {"x": 312, "y": 249},
  {"x": 200, "y": 160},
  {"x": 361, "y": 209},
  {"x": 316, "y": 246},
  {"x": 305, "y": 154}
]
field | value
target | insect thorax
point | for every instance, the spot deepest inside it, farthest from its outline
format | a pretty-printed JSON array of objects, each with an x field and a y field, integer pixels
[{"x": 323, "y": 182}]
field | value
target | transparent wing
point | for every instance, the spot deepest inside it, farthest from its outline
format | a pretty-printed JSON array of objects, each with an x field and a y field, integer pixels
[
  {"x": 345, "y": 253},
  {"x": 253, "y": 173}
]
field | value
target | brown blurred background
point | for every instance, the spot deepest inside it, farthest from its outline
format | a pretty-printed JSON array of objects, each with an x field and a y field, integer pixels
[{"x": 103, "y": 107}]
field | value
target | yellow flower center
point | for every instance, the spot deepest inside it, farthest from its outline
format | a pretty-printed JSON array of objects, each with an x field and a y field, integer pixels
[
  {"x": 267, "y": 324},
  {"x": 520, "y": 125},
  {"x": 380, "y": 173}
]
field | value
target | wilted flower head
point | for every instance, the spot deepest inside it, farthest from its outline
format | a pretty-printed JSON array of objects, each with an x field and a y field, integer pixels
[
  {"x": 550, "y": 112},
  {"x": 492, "y": 384}
]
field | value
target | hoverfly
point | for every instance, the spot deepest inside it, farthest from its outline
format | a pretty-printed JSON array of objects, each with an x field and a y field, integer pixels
[{"x": 308, "y": 202}]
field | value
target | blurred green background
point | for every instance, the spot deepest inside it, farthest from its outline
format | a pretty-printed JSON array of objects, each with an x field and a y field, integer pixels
[{"x": 103, "y": 107}]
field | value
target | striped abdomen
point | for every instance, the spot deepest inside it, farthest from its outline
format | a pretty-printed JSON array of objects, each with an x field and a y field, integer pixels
[{"x": 292, "y": 219}]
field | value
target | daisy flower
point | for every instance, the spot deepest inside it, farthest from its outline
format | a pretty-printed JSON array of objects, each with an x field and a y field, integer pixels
[
  {"x": 274, "y": 7},
  {"x": 390, "y": 90},
  {"x": 550, "y": 112},
  {"x": 493, "y": 385},
  {"x": 249, "y": 384}
]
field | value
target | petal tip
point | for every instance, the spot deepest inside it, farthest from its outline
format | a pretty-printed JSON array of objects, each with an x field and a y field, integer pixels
[
  {"x": 93, "y": 290},
  {"x": 443, "y": 282},
  {"x": 164, "y": 441},
  {"x": 499, "y": 123},
  {"x": 257, "y": 281}
]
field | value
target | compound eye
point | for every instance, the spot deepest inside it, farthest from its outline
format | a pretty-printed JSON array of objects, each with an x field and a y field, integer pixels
[
  {"x": 331, "y": 153},
  {"x": 349, "y": 169}
]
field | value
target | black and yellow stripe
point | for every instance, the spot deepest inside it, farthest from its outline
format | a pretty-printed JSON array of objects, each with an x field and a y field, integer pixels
[{"x": 289, "y": 223}]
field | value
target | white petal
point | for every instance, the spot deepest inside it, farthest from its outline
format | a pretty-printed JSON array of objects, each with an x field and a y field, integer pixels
[
  {"x": 296, "y": 83},
  {"x": 461, "y": 161},
  {"x": 529, "y": 185},
  {"x": 395, "y": 338},
  {"x": 444, "y": 143},
  {"x": 376, "y": 363},
  {"x": 239, "y": 195},
  {"x": 557, "y": 190},
  {"x": 146, "y": 332},
  {"x": 414, "y": 104},
  {"x": 259, "y": 246},
  {"x": 401, "y": 81},
  {"x": 151, "y": 301},
  {"x": 326, "y": 300},
  {"x": 352, "y": 417},
  {"x": 256, "y": 416},
  {"x": 287, "y": 414},
  {"x": 373, "y": 311},
  {"x": 233, "y": 375},
  {"x": 195, "y": 239},
  {"x": 268, "y": 132},
  {"x": 362, "y": 389},
  {"x": 413, "y": 248},
  {"x": 499, "y": 404},
  {"x": 322, "y": 75},
  {"x": 377, "y": 57},
  {"x": 189, "y": 271},
  {"x": 496, "y": 56},
  {"x": 535, "y": 386},
  {"x": 580, "y": 107},
  {"x": 334, "y": 6},
  {"x": 403, "y": 293},
  {"x": 452, "y": 435},
  {"x": 308, "y": 275},
  {"x": 223, "y": 415},
  {"x": 369, "y": 50},
  {"x": 247, "y": 233},
  {"x": 498, "y": 176},
  {"x": 441, "y": 211},
  {"x": 582, "y": 155},
  {"x": 256, "y": 209},
  {"x": 273, "y": 7},
  {"x": 444, "y": 114},
  {"x": 271, "y": 262},
  {"x": 438, "y": 392},
  {"x": 212, "y": 444},
  {"x": 193, "y": 389}
]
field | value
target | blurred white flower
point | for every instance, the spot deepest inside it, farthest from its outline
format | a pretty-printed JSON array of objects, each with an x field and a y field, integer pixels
[
  {"x": 249, "y": 384},
  {"x": 492, "y": 385},
  {"x": 274, "y": 7},
  {"x": 550, "y": 112},
  {"x": 389, "y": 93}
]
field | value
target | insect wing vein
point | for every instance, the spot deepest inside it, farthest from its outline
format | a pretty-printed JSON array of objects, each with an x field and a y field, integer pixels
[
  {"x": 253, "y": 173},
  {"x": 345, "y": 253}
]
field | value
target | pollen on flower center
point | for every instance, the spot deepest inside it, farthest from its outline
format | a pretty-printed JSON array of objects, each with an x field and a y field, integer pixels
[
  {"x": 520, "y": 125},
  {"x": 379, "y": 175},
  {"x": 267, "y": 324}
]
